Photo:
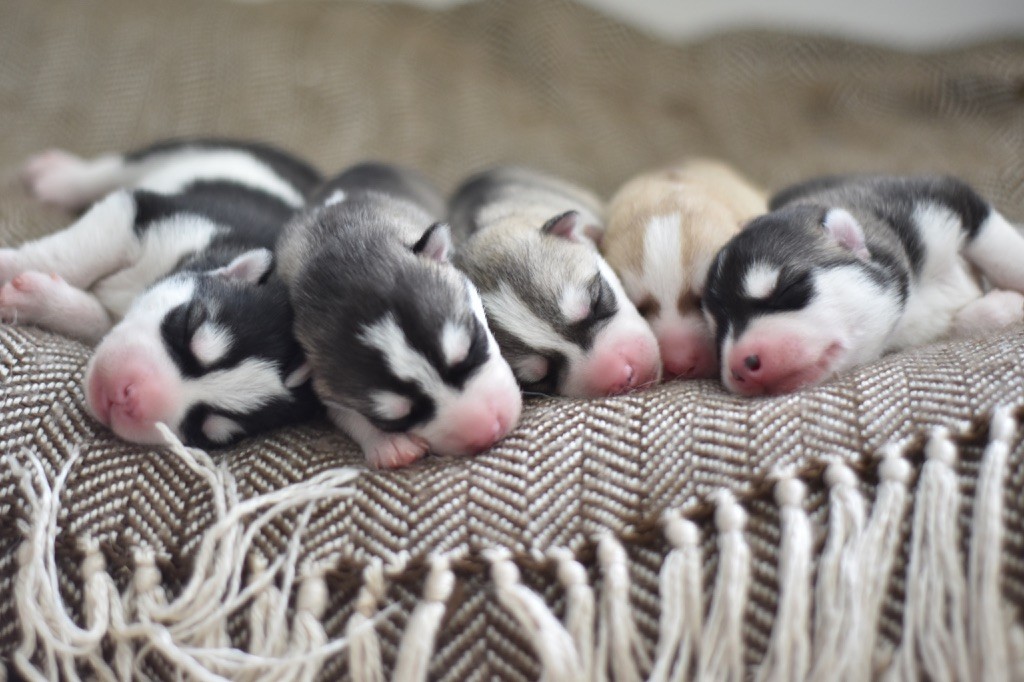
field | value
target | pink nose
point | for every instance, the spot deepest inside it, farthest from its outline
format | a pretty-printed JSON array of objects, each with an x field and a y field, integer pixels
[
  {"x": 120, "y": 394},
  {"x": 689, "y": 362},
  {"x": 128, "y": 397},
  {"x": 484, "y": 435},
  {"x": 748, "y": 368},
  {"x": 620, "y": 378}
]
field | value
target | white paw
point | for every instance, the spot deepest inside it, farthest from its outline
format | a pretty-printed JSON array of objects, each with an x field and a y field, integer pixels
[
  {"x": 54, "y": 177},
  {"x": 28, "y": 296},
  {"x": 997, "y": 309},
  {"x": 395, "y": 450}
]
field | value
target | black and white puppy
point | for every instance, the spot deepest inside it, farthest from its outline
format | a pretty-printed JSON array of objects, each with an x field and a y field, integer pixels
[
  {"x": 528, "y": 242},
  {"x": 170, "y": 274},
  {"x": 845, "y": 269},
  {"x": 396, "y": 337}
]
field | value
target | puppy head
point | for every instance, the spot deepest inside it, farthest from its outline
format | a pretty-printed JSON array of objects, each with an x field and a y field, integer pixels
[
  {"x": 210, "y": 354},
  {"x": 558, "y": 311},
  {"x": 661, "y": 240},
  {"x": 796, "y": 298}
]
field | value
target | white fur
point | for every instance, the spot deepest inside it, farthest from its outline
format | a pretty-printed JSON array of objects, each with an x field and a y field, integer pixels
[
  {"x": 760, "y": 280},
  {"x": 390, "y": 405},
  {"x": 192, "y": 165},
  {"x": 510, "y": 312},
  {"x": 455, "y": 343},
  {"x": 58, "y": 177},
  {"x": 404, "y": 361},
  {"x": 99, "y": 243},
  {"x": 221, "y": 429},
  {"x": 861, "y": 322},
  {"x": 48, "y": 301},
  {"x": 336, "y": 197},
  {"x": 162, "y": 246},
  {"x": 945, "y": 284},
  {"x": 531, "y": 368},
  {"x": 147, "y": 310},
  {"x": 490, "y": 392},
  {"x": 574, "y": 304},
  {"x": 662, "y": 276},
  {"x": 998, "y": 249},
  {"x": 243, "y": 388},
  {"x": 299, "y": 376},
  {"x": 210, "y": 343}
]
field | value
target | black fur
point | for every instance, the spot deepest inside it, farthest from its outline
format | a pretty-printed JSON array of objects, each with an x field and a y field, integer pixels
[
  {"x": 259, "y": 319},
  {"x": 299, "y": 174},
  {"x": 257, "y": 315},
  {"x": 790, "y": 237},
  {"x": 395, "y": 182},
  {"x": 362, "y": 269}
]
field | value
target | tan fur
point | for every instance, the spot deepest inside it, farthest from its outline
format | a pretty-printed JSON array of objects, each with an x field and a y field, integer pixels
[{"x": 713, "y": 200}]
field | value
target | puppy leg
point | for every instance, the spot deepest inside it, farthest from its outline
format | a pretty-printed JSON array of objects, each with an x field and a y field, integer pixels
[
  {"x": 998, "y": 249},
  {"x": 47, "y": 301},
  {"x": 382, "y": 450},
  {"x": 99, "y": 243},
  {"x": 993, "y": 311},
  {"x": 60, "y": 178}
]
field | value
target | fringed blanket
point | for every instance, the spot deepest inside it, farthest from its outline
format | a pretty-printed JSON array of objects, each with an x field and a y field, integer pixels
[{"x": 870, "y": 527}]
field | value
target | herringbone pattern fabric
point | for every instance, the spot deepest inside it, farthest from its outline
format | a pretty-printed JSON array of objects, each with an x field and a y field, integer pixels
[{"x": 537, "y": 82}]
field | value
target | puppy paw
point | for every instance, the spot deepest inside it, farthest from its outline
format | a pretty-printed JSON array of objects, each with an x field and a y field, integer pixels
[
  {"x": 396, "y": 450},
  {"x": 995, "y": 310},
  {"x": 28, "y": 296},
  {"x": 55, "y": 177}
]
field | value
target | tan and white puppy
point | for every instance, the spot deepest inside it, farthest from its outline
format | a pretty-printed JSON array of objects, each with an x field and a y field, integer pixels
[{"x": 664, "y": 229}]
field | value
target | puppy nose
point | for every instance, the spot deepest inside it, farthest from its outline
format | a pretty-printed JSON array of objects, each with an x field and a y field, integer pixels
[{"x": 752, "y": 362}]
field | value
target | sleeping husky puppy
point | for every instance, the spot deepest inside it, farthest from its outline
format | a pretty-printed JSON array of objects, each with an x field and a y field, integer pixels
[
  {"x": 559, "y": 313},
  {"x": 396, "y": 337},
  {"x": 845, "y": 269},
  {"x": 170, "y": 273}
]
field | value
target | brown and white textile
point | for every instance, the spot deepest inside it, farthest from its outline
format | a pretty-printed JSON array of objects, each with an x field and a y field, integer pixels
[{"x": 870, "y": 527}]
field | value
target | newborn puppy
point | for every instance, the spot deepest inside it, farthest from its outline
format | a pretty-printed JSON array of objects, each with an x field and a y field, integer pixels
[
  {"x": 664, "y": 229},
  {"x": 557, "y": 309},
  {"x": 171, "y": 274},
  {"x": 397, "y": 339},
  {"x": 845, "y": 269}
]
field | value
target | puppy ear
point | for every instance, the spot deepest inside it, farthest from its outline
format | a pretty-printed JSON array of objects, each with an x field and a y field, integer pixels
[
  {"x": 569, "y": 225},
  {"x": 435, "y": 244},
  {"x": 846, "y": 231},
  {"x": 252, "y": 267}
]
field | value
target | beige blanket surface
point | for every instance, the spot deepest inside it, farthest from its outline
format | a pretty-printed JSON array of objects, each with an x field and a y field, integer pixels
[{"x": 874, "y": 524}]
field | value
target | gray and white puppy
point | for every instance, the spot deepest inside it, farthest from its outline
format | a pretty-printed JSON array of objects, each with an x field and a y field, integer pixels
[
  {"x": 844, "y": 269},
  {"x": 561, "y": 317},
  {"x": 171, "y": 275},
  {"x": 396, "y": 337}
]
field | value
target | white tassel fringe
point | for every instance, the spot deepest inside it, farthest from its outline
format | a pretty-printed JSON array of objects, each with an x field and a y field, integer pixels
[
  {"x": 957, "y": 624},
  {"x": 421, "y": 631},
  {"x": 986, "y": 620},
  {"x": 788, "y": 655},
  {"x": 934, "y": 638},
  {"x": 721, "y": 648},
  {"x": 682, "y": 607}
]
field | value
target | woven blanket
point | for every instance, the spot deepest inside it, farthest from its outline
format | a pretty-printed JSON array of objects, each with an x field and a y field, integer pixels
[{"x": 871, "y": 527}]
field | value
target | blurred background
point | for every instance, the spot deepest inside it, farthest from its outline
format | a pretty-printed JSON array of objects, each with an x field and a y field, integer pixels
[
  {"x": 593, "y": 90},
  {"x": 910, "y": 24}
]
